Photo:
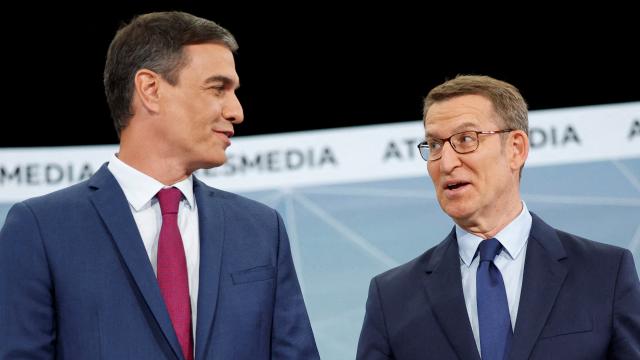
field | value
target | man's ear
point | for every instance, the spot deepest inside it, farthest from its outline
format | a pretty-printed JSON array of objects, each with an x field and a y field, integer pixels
[
  {"x": 146, "y": 86},
  {"x": 519, "y": 148}
]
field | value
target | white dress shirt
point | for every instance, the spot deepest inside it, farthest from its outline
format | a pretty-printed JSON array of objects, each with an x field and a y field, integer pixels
[
  {"x": 510, "y": 262},
  {"x": 140, "y": 190}
]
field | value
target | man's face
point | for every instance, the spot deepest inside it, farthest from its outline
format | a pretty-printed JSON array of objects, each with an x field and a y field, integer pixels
[
  {"x": 472, "y": 188},
  {"x": 202, "y": 107}
]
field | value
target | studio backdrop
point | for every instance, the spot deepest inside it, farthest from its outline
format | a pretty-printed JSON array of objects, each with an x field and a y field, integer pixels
[{"x": 358, "y": 201}]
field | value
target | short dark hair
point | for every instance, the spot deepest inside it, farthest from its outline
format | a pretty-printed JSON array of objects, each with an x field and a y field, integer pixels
[
  {"x": 154, "y": 41},
  {"x": 507, "y": 101}
]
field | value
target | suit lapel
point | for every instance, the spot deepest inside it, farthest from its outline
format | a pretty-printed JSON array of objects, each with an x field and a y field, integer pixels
[
  {"x": 112, "y": 206},
  {"x": 543, "y": 278},
  {"x": 211, "y": 226},
  {"x": 443, "y": 283}
]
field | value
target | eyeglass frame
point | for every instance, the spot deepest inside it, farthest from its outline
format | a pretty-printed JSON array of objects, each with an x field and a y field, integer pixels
[{"x": 425, "y": 145}]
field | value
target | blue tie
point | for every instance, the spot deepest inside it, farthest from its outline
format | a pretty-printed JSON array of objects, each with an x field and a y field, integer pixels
[{"x": 493, "y": 309}]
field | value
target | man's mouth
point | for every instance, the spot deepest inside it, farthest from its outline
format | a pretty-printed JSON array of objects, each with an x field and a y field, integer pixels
[
  {"x": 224, "y": 135},
  {"x": 455, "y": 186},
  {"x": 227, "y": 133}
]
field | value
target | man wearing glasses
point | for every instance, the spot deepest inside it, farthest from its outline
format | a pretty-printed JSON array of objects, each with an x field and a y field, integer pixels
[{"x": 503, "y": 284}]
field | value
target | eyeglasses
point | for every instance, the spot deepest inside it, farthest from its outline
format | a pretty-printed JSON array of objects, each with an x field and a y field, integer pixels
[{"x": 463, "y": 143}]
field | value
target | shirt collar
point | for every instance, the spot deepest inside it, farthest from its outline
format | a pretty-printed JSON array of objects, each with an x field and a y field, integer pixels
[
  {"x": 140, "y": 188},
  {"x": 513, "y": 237}
]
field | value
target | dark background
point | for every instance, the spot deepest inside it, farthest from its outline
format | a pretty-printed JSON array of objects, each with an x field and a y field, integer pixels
[{"x": 305, "y": 67}]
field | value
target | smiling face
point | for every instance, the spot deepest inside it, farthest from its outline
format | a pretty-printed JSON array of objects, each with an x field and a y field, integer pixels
[
  {"x": 200, "y": 110},
  {"x": 478, "y": 189}
]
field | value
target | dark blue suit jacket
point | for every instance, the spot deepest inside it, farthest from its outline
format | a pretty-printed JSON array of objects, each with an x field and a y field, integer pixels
[
  {"x": 76, "y": 281},
  {"x": 580, "y": 300}
]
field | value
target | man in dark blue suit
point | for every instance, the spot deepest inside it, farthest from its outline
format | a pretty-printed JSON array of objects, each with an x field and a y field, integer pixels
[
  {"x": 143, "y": 260},
  {"x": 503, "y": 284}
]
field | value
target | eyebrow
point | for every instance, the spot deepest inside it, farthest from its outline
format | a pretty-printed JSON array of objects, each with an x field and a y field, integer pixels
[
  {"x": 225, "y": 80},
  {"x": 464, "y": 126},
  {"x": 460, "y": 128}
]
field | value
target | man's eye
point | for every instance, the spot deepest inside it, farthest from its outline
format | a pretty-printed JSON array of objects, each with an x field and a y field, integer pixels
[
  {"x": 467, "y": 138},
  {"x": 218, "y": 90},
  {"x": 434, "y": 145}
]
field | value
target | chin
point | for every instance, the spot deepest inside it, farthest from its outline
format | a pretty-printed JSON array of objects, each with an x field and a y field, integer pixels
[
  {"x": 212, "y": 162},
  {"x": 457, "y": 212}
]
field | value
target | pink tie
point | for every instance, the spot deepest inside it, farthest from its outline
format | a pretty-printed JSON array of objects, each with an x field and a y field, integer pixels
[{"x": 172, "y": 270}]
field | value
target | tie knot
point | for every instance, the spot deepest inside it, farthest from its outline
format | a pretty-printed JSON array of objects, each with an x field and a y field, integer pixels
[
  {"x": 169, "y": 199},
  {"x": 489, "y": 249}
]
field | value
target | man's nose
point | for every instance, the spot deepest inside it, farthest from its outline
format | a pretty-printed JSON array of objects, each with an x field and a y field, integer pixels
[
  {"x": 450, "y": 159},
  {"x": 232, "y": 110}
]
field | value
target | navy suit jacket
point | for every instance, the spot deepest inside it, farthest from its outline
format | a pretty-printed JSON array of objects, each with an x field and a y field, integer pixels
[
  {"x": 76, "y": 281},
  {"x": 580, "y": 300}
]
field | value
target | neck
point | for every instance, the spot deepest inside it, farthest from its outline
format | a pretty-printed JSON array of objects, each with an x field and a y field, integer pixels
[
  {"x": 488, "y": 227},
  {"x": 151, "y": 159}
]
